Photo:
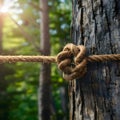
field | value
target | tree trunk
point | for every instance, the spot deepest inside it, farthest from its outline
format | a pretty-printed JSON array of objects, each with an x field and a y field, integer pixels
[
  {"x": 96, "y": 24},
  {"x": 44, "y": 82}
]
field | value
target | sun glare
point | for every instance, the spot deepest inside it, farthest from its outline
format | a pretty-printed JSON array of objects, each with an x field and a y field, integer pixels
[
  {"x": 7, "y": 6},
  {"x": 4, "y": 9}
]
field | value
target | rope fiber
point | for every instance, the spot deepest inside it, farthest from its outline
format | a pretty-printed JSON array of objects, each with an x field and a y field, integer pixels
[{"x": 72, "y": 60}]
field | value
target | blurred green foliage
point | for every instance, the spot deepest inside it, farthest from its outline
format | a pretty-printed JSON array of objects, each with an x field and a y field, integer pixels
[{"x": 21, "y": 36}]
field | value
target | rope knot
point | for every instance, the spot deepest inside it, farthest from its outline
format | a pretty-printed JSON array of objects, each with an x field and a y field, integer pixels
[{"x": 72, "y": 61}]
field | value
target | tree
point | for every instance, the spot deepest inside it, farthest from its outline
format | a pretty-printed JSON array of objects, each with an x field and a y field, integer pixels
[
  {"x": 96, "y": 25},
  {"x": 44, "y": 92}
]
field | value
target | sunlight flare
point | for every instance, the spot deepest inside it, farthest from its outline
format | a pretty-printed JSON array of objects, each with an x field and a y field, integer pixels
[{"x": 7, "y": 6}]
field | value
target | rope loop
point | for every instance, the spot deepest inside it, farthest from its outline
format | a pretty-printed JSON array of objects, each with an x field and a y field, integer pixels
[{"x": 72, "y": 61}]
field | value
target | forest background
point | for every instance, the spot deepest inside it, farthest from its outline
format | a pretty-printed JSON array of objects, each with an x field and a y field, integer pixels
[{"x": 20, "y": 35}]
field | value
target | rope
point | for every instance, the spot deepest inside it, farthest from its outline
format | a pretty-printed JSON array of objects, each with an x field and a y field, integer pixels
[
  {"x": 13, "y": 59},
  {"x": 72, "y": 60}
]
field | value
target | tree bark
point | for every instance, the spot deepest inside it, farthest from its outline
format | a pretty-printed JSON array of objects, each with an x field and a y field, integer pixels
[
  {"x": 96, "y": 24},
  {"x": 44, "y": 81}
]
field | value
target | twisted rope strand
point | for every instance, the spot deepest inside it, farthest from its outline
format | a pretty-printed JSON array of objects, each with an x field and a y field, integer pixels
[
  {"x": 71, "y": 60},
  {"x": 13, "y": 59},
  {"x": 103, "y": 58}
]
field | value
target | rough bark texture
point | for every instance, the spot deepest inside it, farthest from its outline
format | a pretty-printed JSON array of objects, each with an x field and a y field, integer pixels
[
  {"x": 44, "y": 91},
  {"x": 96, "y": 24}
]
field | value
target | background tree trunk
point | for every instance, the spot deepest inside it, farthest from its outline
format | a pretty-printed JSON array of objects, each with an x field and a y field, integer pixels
[
  {"x": 96, "y": 24},
  {"x": 44, "y": 92}
]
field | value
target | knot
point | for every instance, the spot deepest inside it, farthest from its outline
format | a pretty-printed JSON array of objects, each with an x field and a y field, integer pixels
[{"x": 72, "y": 61}]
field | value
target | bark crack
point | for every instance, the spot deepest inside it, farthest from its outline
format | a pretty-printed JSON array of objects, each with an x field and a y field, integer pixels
[
  {"x": 101, "y": 4},
  {"x": 73, "y": 96},
  {"x": 109, "y": 31},
  {"x": 81, "y": 27},
  {"x": 94, "y": 96},
  {"x": 80, "y": 6},
  {"x": 82, "y": 103},
  {"x": 95, "y": 24},
  {"x": 110, "y": 95}
]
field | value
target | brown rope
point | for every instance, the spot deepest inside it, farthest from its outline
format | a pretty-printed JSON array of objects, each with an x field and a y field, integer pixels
[
  {"x": 71, "y": 60},
  {"x": 13, "y": 59}
]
